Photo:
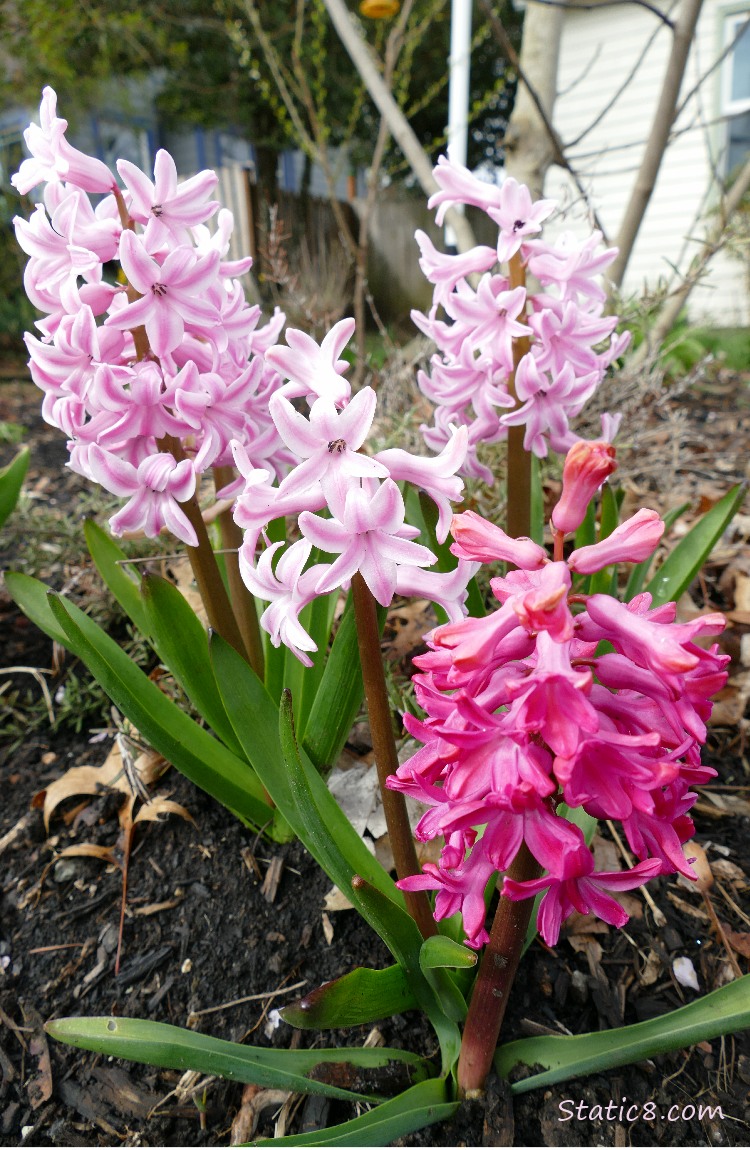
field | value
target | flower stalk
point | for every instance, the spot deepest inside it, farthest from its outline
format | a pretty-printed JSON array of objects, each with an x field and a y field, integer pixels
[
  {"x": 205, "y": 568},
  {"x": 519, "y": 459},
  {"x": 386, "y": 756},
  {"x": 497, "y": 971},
  {"x": 243, "y": 603}
]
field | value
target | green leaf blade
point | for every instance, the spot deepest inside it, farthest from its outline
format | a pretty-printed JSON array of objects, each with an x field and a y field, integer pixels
[
  {"x": 159, "y": 1044},
  {"x": 723, "y": 1011},
  {"x": 190, "y": 748},
  {"x": 11, "y": 482},
  {"x": 356, "y": 999},
  {"x": 682, "y": 565}
]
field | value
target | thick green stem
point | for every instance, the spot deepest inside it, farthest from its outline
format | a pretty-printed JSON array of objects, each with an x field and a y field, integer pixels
[
  {"x": 519, "y": 459},
  {"x": 243, "y": 603},
  {"x": 386, "y": 756},
  {"x": 491, "y": 993}
]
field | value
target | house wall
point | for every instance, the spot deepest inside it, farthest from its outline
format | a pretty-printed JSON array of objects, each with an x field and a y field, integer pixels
[{"x": 600, "y": 47}]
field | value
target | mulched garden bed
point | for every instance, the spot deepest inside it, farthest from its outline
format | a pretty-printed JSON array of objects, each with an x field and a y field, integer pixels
[{"x": 222, "y": 926}]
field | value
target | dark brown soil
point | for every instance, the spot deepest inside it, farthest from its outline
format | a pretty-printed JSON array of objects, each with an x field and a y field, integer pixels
[{"x": 202, "y": 931}]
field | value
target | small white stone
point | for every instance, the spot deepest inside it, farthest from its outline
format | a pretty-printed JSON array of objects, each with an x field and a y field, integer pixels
[
  {"x": 684, "y": 972},
  {"x": 187, "y": 966}
]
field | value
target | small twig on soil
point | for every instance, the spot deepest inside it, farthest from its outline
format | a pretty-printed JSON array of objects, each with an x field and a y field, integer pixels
[
  {"x": 37, "y": 672},
  {"x": 56, "y": 946},
  {"x": 269, "y": 994}
]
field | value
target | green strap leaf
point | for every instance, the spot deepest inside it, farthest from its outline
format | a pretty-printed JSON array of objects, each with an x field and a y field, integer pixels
[
  {"x": 395, "y": 926},
  {"x": 339, "y": 695},
  {"x": 107, "y": 558},
  {"x": 32, "y": 597},
  {"x": 182, "y": 642},
  {"x": 11, "y": 482},
  {"x": 401, "y": 936},
  {"x": 685, "y": 561},
  {"x": 158, "y": 1044},
  {"x": 356, "y": 999},
  {"x": 724, "y": 1011},
  {"x": 189, "y": 747},
  {"x": 440, "y": 951},
  {"x": 420, "y": 1106},
  {"x": 639, "y": 573},
  {"x": 255, "y": 719}
]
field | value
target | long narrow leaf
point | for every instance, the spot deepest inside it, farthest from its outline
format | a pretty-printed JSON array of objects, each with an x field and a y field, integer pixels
[
  {"x": 107, "y": 557},
  {"x": 420, "y": 1106},
  {"x": 158, "y": 1044},
  {"x": 32, "y": 597},
  {"x": 338, "y": 698},
  {"x": 724, "y": 1011},
  {"x": 395, "y": 926},
  {"x": 182, "y": 642},
  {"x": 356, "y": 999},
  {"x": 189, "y": 747},
  {"x": 11, "y": 481},
  {"x": 678, "y": 571},
  {"x": 401, "y": 936},
  {"x": 255, "y": 719}
]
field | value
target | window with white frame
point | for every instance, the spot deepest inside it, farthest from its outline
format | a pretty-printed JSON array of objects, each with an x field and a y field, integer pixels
[{"x": 736, "y": 89}]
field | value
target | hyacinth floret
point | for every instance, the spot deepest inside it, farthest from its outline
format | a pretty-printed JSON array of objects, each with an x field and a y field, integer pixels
[
  {"x": 525, "y": 710},
  {"x": 474, "y": 379}
]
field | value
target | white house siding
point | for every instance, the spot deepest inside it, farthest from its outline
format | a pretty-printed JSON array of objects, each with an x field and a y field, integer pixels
[{"x": 599, "y": 49}]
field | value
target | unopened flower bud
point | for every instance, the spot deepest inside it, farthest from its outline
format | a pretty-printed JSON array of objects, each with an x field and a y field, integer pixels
[{"x": 587, "y": 465}]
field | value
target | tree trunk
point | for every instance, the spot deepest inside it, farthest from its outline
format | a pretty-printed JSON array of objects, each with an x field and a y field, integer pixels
[{"x": 529, "y": 148}]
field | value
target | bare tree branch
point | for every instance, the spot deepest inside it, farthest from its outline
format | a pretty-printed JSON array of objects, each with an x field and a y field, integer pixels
[
  {"x": 658, "y": 138},
  {"x": 607, "y": 4},
  {"x": 715, "y": 240},
  {"x": 625, "y": 84},
  {"x": 399, "y": 126},
  {"x": 529, "y": 148},
  {"x": 558, "y": 154}
]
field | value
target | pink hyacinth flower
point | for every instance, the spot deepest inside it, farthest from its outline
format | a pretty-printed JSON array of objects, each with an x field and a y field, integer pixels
[
  {"x": 155, "y": 489},
  {"x": 172, "y": 295},
  {"x": 631, "y": 542},
  {"x": 168, "y": 208},
  {"x": 587, "y": 465},
  {"x": 314, "y": 370},
  {"x": 368, "y": 538},
  {"x": 482, "y": 542},
  {"x": 575, "y": 886},
  {"x": 53, "y": 158}
]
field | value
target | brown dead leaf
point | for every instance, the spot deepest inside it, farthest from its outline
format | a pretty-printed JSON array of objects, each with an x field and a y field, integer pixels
[
  {"x": 39, "y": 1086},
  {"x": 88, "y": 780},
  {"x": 700, "y": 865},
  {"x": 729, "y": 872},
  {"x": 159, "y": 805},
  {"x": 739, "y": 940}
]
